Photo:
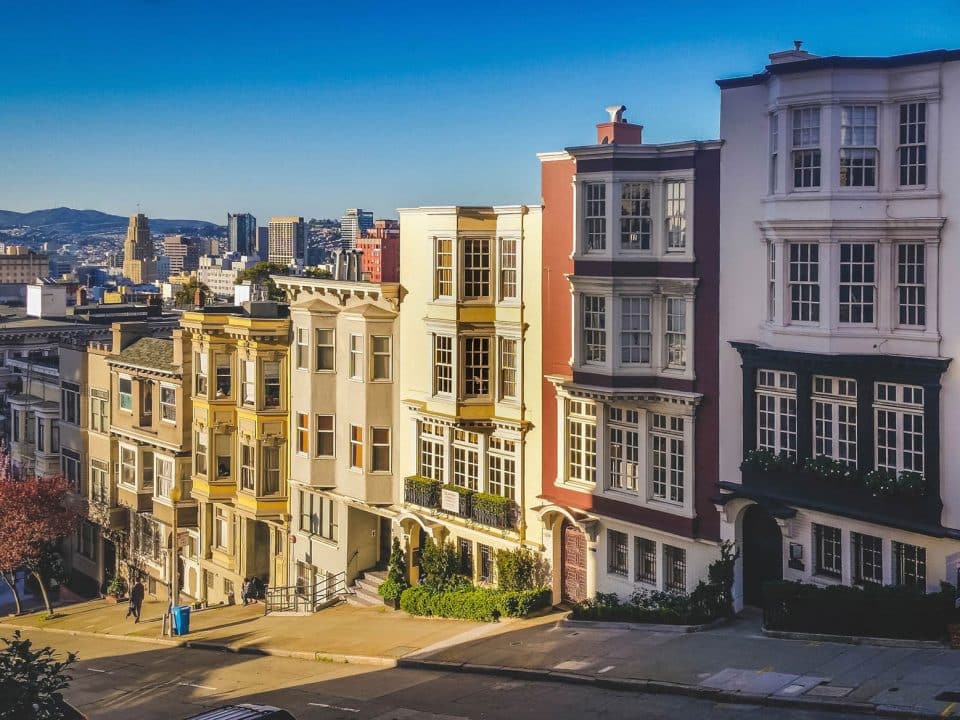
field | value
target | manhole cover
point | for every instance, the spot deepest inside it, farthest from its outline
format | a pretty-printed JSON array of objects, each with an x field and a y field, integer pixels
[{"x": 949, "y": 696}]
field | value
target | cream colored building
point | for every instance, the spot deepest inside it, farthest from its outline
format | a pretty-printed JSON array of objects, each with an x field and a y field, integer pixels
[
  {"x": 139, "y": 258},
  {"x": 287, "y": 240},
  {"x": 470, "y": 380},
  {"x": 344, "y": 421}
]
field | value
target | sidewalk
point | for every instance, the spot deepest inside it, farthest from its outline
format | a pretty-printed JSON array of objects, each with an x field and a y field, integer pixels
[
  {"x": 343, "y": 633},
  {"x": 731, "y": 662}
]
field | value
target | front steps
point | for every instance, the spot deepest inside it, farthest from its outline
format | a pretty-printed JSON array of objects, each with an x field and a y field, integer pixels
[{"x": 364, "y": 589}]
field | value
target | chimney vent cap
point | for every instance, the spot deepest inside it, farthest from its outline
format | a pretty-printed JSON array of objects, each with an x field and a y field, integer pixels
[{"x": 616, "y": 113}]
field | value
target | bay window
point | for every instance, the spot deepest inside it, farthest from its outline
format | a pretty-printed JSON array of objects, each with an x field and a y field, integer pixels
[
  {"x": 835, "y": 418},
  {"x": 476, "y": 268},
  {"x": 624, "y": 448},
  {"x": 777, "y": 412},
  {"x": 898, "y": 416},
  {"x": 582, "y": 441},
  {"x": 667, "y": 458}
]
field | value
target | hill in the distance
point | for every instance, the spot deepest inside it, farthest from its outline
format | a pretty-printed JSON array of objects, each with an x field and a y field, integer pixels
[{"x": 83, "y": 222}]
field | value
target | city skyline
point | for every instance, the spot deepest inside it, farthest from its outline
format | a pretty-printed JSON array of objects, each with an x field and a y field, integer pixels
[{"x": 98, "y": 121}]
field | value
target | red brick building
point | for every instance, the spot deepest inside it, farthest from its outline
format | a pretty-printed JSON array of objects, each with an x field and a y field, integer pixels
[{"x": 381, "y": 251}]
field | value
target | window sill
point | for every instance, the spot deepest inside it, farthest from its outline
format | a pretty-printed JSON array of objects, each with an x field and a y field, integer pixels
[{"x": 576, "y": 486}]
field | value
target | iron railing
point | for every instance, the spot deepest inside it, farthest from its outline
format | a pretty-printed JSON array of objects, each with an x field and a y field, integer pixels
[{"x": 302, "y": 598}]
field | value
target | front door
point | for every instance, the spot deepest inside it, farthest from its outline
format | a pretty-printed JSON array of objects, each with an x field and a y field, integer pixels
[
  {"x": 385, "y": 530},
  {"x": 573, "y": 563},
  {"x": 762, "y": 553}
]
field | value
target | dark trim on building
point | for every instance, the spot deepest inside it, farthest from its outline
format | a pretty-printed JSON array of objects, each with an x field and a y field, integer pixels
[
  {"x": 866, "y": 370},
  {"x": 839, "y": 62},
  {"x": 634, "y": 382},
  {"x": 653, "y": 164},
  {"x": 634, "y": 269}
]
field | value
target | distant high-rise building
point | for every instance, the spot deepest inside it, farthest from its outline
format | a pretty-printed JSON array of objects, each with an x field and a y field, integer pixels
[
  {"x": 352, "y": 225},
  {"x": 262, "y": 250},
  {"x": 242, "y": 232},
  {"x": 183, "y": 252},
  {"x": 287, "y": 240},
  {"x": 139, "y": 262},
  {"x": 381, "y": 252}
]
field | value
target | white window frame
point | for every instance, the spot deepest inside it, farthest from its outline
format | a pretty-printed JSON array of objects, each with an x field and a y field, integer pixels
[
  {"x": 636, "y": 216},
  {"x": 667, "y": 463},
  {"x": 675, "y": 215},
  {"x": 593, "y": 329},
  {"x": 912, "y": 149},
  {"x": 302, "y": 447},
  {"x": 302, "y": 349},
  {"x": 636, "y": 332},
  {"x": 675, "y": 333},
  {"x": 509, "y": 269},
  {"x": 168, "y": 408},
  {"x": 444, "y": 285},
  {"x": 857, "y": 294},
  {"x": 382, "y": 355},
  {"x": 476, "y": 269},
  {"x": 625, "y": 450},
  {"x": 330, "y": 431},
  {"x": 594, "y": 216},
  {"x": 326, "y": 342},
  {"x": 466, "y": 451},
  {"x": 859, "y": 146},
  {"x": 806, "y": 154},
  {"x": 476, "y": 348},
  {"x": 431, "y": 450},
  {"x": 121, "y": 394},
  {"x": 355, "y": 441},
  {"x": 508, "y": 365},
  {"x": 804, "y": 277},
  {"x": 581, "y": 457},
  {"x": 779, "y": 388},
  {"x": 377, "y": 443},
  {"x": 835, "y": 418},
  {"x": 163, "y": 482},
  {"x": 911, "y": 284},
  {"x": 355, "y": 349},
  {"x": 904, "y": 404},
  {"x": 502, "y": 463}
]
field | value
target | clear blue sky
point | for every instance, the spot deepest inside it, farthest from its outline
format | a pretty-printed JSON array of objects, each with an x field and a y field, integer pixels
[{"x": 196, "y": 107}]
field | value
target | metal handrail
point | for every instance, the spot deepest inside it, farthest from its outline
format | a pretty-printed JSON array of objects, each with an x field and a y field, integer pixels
[{"x": 300, "y": 598}]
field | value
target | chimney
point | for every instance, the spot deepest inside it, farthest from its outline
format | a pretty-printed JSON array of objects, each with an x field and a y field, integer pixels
[
  {"x": 795, "y": 55},
  {"x": 125, "y": 333},
  {"x": 180, "y": 341},
  {"x": 618, "y": 131},
  {"x": 198, "y": 299}
]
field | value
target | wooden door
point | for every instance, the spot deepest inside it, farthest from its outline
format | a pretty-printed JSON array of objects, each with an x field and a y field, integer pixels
[{"x": 573, "y": 572}]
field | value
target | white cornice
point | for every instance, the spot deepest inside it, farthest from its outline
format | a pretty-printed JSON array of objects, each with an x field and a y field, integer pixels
[{"x": 886, "y": 229}]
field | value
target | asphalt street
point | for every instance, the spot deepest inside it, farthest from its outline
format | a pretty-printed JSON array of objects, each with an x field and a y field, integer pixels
[{"x": 122, "y": 679}]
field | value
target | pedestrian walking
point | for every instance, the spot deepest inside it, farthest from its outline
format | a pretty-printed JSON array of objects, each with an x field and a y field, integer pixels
[
  {"x": 136, "y": 601},
  {"x": 246, "y": 591}
]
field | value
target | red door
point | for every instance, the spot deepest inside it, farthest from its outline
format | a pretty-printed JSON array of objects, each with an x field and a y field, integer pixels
[{"x": 573, "y": 572}]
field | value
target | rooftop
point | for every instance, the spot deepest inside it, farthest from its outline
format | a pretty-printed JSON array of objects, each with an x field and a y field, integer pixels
[
  {"x": 148, "y": 353},
  {"x": 841, "y": 62}
]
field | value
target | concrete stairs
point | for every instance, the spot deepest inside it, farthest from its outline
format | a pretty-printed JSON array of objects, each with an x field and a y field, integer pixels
[{"x": 363, "y": 592}]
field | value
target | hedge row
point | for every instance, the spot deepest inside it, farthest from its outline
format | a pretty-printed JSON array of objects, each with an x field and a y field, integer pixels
[
  {"x": 483, "y": 604},
  {"x": 705, "y": 604},
  {"x": 872, "y": 611}
]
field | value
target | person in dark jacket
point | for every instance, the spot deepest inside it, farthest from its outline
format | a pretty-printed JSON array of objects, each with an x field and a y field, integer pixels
[{"x": 136, "y": 601}]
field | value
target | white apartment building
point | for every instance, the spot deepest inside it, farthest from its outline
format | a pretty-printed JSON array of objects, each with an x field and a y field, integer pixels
[
  {"x": 220, "y": 273},
  {"x": 839, "y": 181}
]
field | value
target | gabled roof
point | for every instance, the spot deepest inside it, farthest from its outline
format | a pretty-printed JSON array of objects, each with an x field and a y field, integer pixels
[{"x": 370, "y": 312}]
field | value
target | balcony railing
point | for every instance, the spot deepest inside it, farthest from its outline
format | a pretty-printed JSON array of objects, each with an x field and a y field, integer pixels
[
  {"x": 495, "y": 511},
  {"x": 421, "y": 491},
  {"x": 848, "y": 497}
]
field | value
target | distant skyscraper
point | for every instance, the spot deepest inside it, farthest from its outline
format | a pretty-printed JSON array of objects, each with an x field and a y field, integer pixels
[
  {"x": 138, "y": 257},
  {"x": 242, "y": 229},
  {"x": 352, "y": 225},
  {"x": 263, "y": 243},
  {"x": 287, "y": 240},
  {"x": 184, "y": 252}
]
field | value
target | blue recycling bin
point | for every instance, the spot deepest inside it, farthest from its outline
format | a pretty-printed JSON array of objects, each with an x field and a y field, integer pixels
[{"x": 181, "y": 619}]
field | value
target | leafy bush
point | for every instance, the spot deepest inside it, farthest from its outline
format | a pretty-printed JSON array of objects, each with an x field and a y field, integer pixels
[
  {"x": 834, "y": 470},
  {"x": 871, "y": 611},
  {"x": 117, "y": 586},
  {"x": 494, "y": 510},
  {"x": 520, "y": 569},
  {"x": 441, "y": 567},
  {"x": 483, "y": 604},
  {"x": 887, "y": 482},
  {"x": 706, "y": 603},
  {"x": 396, "y": 581},
  {"x": 768, "y": 461},
  {"x": 31, "y": 680}
]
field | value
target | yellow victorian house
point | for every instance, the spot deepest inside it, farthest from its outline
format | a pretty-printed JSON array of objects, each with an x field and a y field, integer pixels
[{"x": 240, "y": 393}]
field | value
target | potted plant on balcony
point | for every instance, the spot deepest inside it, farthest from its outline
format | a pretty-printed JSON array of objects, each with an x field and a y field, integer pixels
[
  {"x": 116, "y": 589},
  {"x": 396, "y": 582}
]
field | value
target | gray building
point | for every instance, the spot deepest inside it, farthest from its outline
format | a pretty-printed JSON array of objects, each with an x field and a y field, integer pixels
[
  {"x": 242, "y": 232},
  {"x": 352, "y": 225}
]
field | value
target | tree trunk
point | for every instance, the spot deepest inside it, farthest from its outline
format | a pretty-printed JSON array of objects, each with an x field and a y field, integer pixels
[
  {"x": 13, "y": 589},
  {"x": 43, "y": 591}
]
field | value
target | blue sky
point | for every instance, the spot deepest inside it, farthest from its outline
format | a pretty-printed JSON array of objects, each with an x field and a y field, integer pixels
[{"x": 196, "y": 107}]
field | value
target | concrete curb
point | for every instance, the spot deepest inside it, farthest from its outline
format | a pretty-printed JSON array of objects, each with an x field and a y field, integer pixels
[
  {"x": 647, "y": 627},
  {"x": 669, "y": 688},
  {"x": 856, "y": 640},
  {"x": 312, "y": 655}
]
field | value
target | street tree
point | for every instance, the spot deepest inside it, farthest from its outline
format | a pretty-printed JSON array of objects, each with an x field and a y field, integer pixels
[{"x": 35, "y": 513}]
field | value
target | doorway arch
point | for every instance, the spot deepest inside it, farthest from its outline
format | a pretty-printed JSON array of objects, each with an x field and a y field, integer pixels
[{"x": 762, "y": 553}]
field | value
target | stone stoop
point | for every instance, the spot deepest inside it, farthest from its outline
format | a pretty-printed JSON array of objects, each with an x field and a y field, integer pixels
[{"x": 364, "y": 589}]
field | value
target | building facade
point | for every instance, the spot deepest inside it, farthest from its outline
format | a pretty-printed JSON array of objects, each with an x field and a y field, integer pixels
[
  {"x": 241, "y": 392},
  {"x": 241, "y": 233},
  {"x": 352, "y": 226},
  {"x": 220, "y": 273},
  {"x": 380, "y": 246},
  {"x": 287, "y": 240},
  {"x": 836, "y": 240},
  {"x": 139, "y": 262},
  {"x": 469, "y": 450},
  {"x": 183, "y": 253},
  {"x": 139, "y": 458},
  {"x": 630, "y": 278},
  {"x": 344, "y": 424}
]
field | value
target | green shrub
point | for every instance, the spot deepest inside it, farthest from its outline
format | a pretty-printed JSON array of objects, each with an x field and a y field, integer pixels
[
  {"x": 396, "y": 581},
  {"x": 441, "y": 567},
  {"x": 706, "y": 603},
  {"x": 767, "y": 461},
  {"x": 871, "y": 611},
  {"x": 520, "y": 569},
  {"x": 834, "y": 470},
  {"x": 482, "y": 604},
  {"x": 887, "y": 482},
  {"x": 117, "y": 586}
]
